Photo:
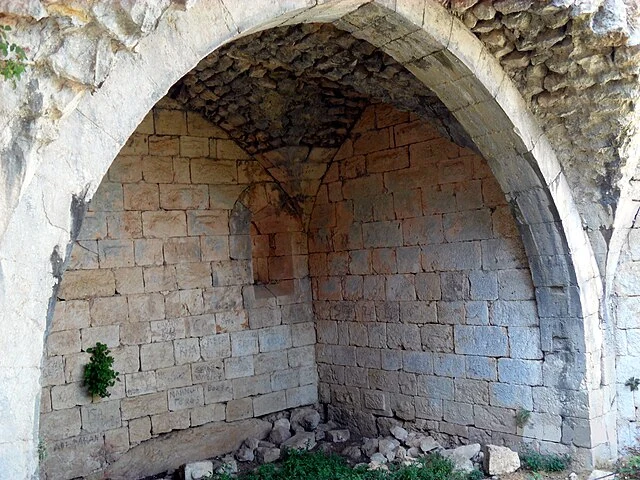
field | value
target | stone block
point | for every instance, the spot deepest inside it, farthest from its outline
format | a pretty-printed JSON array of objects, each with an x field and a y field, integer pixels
[
  {"x": 126, "y": 359},
  {"x": 475, "y": 392},
  {"x": 418, "y": 362},
  {"x": 74, "y": 366},
  {"x": 141, "y": 196},
  {"x": 429, "y": 408},
  {"x": 239, "y": 409},
  {"x": 520, "y": 372},
  {"x": 139, "y": 430},
  {"x": 182, "y": 250},
  {"x": 521, "y": 313},
  {"x": 452, "y": 256},
  {"x": 382, "y": 234},
  {"x": 404, "y": 337},
  {"x": 515, "y": 284},
  {"x": 125, "y": 169},
  {"x": 275, "y": 338},
  {"x": 108, "y": 198},
  {"x": 109, "y": 335},
  {"x": 483, "y": 285},
  {"x": 194, "y": 146},
  {"x": 148, "y": 252},
  {"x": 170, "y": 122},
  {"x": 428, "y": 286},
  {"x": 129, "y": 280},
  {"x": 495, "y": 419},
  {"x": 224, "y": 299},
  {"x": 100, "y": 417},
  {"x": 185, "y": 397},
  {"x": 164, "y": 224},
  {"x": 400, "y": 288},
  {"x": 63, "y": 342},
  {"x": 135, "y": 333},
  {"x": 437, "y": 338},
  {"x": 156, "y": 355},
  {"x": 525, "y": 343},
  {"x": 166, "y": 330},
  {"x": 163, "y": 145},
  {"x": 70, "y": 315},
  {"x": 435, "y": 387},
  {"x": 151, "y": 404},
  {"x": 304, "y": 395},
  {"x": 80, "y": 284},
  {"x": 481, "y": 368},
  {"x": 301, "y": 356},
  {"x": 69, "y": 396},
  {"x": 476, "y": 313},
  {"x": 467, "y": 225},
  {"x": 270, "y": 362},
  {"x": 140, "y": 383},
  {"x": 303, "y": 334},
  {"x": 207, "y": 414},
  {"x": 235, "y": 367},
  {"x": 84, "y": 255},
  {"x": 481, "y": 340},
  {"x": 165, "y": 422},
  {"x": 158, "y": 169},
  {"x": 173, "y": 377},
  {"x": 60, "y": 424},
  {"x": 251, "y": 386},
  {"x": 115, "y": 253},
  {"x": 458, "y": 413},
  {"x": 216, "y": 392},
  {"x": 186, "y": 303},
  {"x": 269, "y": 403},
  {"x": 147, "y": 307},
  {"x": 52, "y": 370},
  {"x": 94, "y": 226},
  {"x": 159, "y": 279},
  {"x": 423, "y": 230},
  {"x": 214, "y": 172},
  {"x": 511, "y": 396},
  {"x": 215, "y": 346},
  {"x": 449, "y": 365},
  {"x": 211, "y": 371}
]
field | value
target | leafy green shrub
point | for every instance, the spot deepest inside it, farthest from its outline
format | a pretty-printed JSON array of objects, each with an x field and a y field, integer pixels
[
  {"x": 319, "y": 466},
  {"x": 98, "y": 373},
  {"x": 12, "y": 56},
  {"x": 475, "y": 474},
  {"x": 629, "y": 469},
  {"x": 541, "y": 462}
]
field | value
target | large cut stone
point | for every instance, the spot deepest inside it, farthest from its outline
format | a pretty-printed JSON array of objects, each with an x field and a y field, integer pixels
[
  {"x": 500, "y": 460},
  {"x": 169, "y": 451}
]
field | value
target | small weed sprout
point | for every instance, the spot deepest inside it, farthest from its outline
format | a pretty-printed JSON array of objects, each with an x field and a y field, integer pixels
[
  {"x": 98, "y": 373},
  {"x": 522, "y": 417},
  {"x": 632, "y": 383}
]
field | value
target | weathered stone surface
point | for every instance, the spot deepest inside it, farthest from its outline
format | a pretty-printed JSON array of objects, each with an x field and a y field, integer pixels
[
  {"x": 176, "y": 448},
  {"x": 301, "y": 441},
  {"x": 500, "y": 460}
]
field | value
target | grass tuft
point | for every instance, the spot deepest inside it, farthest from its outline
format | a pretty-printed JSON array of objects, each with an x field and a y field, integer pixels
[{"x": 541, "y": 462}]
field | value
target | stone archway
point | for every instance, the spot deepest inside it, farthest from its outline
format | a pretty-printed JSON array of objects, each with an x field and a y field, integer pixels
[{"x": 441, "y": 53}]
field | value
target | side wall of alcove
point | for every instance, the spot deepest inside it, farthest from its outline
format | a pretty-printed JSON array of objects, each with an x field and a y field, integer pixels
[
  {"x": 157, "y": 275},
  {"x": 625, "y": 303},
  {"x": 425, "y": 306}
]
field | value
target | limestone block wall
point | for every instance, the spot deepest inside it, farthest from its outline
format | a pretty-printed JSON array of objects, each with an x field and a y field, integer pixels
[
  {"x": 422, "y": 292},
  {"x": 625, "y": 302},
  {"x": 156, "y": 275}
]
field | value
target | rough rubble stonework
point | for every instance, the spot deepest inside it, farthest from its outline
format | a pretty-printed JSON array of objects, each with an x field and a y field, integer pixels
[{"x": 99, "y": 67}]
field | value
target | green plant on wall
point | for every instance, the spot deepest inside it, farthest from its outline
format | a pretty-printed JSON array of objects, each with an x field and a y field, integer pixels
[
  {"x": 99, "y": 374},
  {"x": 522, "y": 417},
  {"x": 12, "y": 56},
  {"x": 632, "y": 383}
]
